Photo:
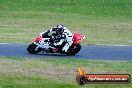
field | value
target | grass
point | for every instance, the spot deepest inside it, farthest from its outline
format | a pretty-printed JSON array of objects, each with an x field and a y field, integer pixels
[
  {"x": 88, "y": 7},
  {"x": 55, "y": 73},
  {"x": 101, "y": 21}
]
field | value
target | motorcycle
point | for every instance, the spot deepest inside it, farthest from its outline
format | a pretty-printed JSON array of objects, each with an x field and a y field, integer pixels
[{"x": 44, "y": 41}]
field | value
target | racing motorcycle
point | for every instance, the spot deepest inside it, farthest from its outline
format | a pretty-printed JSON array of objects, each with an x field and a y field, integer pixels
[{"x": 43, "y": 42}]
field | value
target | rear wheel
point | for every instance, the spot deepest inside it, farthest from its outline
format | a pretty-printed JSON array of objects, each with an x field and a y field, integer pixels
[
  {"x": 74, "y": 49},
  {"x": 32, "y": 49}
]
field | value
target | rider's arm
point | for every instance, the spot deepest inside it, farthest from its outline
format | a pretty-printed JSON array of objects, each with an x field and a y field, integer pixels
[{"x": 47, "y": 32}]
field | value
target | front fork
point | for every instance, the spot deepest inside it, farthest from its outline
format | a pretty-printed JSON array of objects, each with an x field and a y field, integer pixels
[{"x": 37, "y": 46}]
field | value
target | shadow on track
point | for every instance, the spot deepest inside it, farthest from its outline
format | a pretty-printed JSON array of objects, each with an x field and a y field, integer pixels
[{"x": 52, "y": 55}]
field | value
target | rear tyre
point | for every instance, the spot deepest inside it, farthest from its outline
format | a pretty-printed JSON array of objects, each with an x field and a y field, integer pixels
[
  {"x": 74, "y": 49},
  {"x": 31, "y": 49}
]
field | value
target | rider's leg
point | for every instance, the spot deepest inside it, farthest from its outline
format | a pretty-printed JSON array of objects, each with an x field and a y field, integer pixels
[
  {"x": 60, "y": 42},
  {"x": 67, "y": 45}
]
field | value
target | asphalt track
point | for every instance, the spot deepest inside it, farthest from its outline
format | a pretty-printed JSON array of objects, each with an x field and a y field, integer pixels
[{"x": 90, "y": 52}]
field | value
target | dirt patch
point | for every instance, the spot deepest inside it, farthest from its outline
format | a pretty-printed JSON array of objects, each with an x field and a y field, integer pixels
[{"x": 60, "y": 73}]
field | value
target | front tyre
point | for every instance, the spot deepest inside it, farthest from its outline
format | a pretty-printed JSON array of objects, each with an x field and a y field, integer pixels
[
  {"x": 74, "y": 49},
  {"x": 32, "y": 49}
]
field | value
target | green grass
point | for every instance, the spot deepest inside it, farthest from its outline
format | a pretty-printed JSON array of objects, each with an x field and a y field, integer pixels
[
  {"x": 56, "y": 73},
  {"x": 22, "y": 81},
  {"x": 101, "y": 21},
  {"x": 88, "y": 7}
]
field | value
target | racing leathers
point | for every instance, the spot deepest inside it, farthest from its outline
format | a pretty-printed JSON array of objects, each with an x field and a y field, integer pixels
[{"x": 65, "y": 36}]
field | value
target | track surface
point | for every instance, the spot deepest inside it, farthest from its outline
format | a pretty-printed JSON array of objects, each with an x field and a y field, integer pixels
[{"x": 92, "y": 52}]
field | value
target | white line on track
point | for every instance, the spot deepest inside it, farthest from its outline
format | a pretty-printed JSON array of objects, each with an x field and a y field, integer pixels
[{"x": 3, "y": 43}]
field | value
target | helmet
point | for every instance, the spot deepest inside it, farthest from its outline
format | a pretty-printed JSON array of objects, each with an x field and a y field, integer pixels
[
  {"x": 59, "y": 26},
  {"x": 59, "y": 29}
]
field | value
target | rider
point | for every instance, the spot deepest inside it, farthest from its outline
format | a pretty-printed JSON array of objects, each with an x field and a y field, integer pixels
[{"x": 62, "y": 34}]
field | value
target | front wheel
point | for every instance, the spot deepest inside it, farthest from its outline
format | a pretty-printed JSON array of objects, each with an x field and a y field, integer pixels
[
  {"x": 32, "y": 49},
  {"x": 74, "y": 49}
]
